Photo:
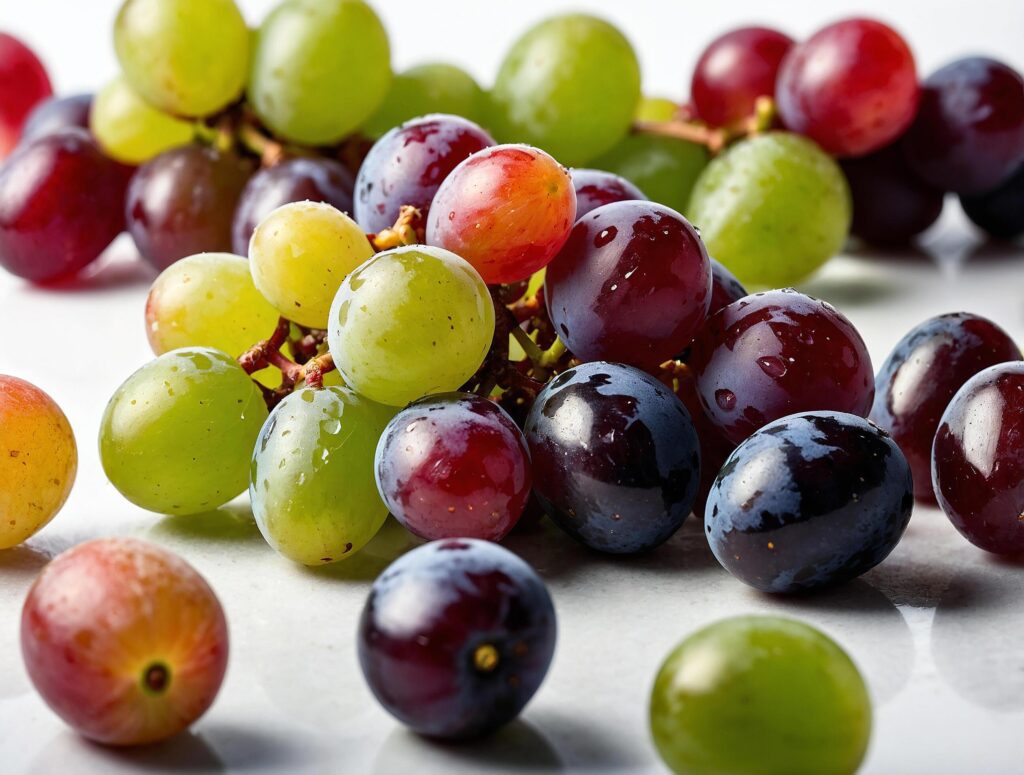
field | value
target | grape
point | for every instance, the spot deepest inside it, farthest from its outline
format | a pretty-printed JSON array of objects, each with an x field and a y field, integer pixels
[
  {"x": 570, "y": 85},
  {"x": 431, "y": 88},
  {"x": 999, "y": 212},
  {"x": 57, "y": 113},
  {"x": 125, "y": 641},
  {"x": 760, "y": 695},
  {"x": 23, "y": 84},
  {"x": 616, "y": 460},
  {"x": 184, "y": 57},
  {"x": 311, "y": 483},
  {"x": 891, "y": 205},
  {"x": 810, "y": 500},
  {"x": 664, "y": 168},
  {"x": 177, "y": 435},
  {"x": 772, "y": 208},
  {"x": 60, "y": 206},
  {"x": 409, "y": 322},
  {"x": 734, "y": 70},
  {"x": 454, "y": 465},
  {"x": 714, "y": 447},
  {"x": 968, "y": 136},
  {"x": 506, "y": 209},
  {"x": 778, "y": 353},
  {"x": 923, "y": 373},
  {"x": 295, "y": 180},
  {"x": 725, "y": 288},
  {"x": 978, "y": 461},
  {"x": 408, "y": 164},
  {"x": 632, "y": 284},
  {"x": 130, "y": 130},
  {"x": 656, "y": 109},
  {"x": 320, "y": 69},
  {"x": 596, "y": 187},
  {"x": 851, "y": 87},
  {"x": 38, "y": 460},
  {"x": 470, "y": 652},
  {"x": 183, "y": 201},
  {"x": 299, "y": 256}
]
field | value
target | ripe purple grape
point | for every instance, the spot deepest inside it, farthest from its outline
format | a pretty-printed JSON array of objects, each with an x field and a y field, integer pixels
[
  {"x": 999, "y": 212},
  {"x": 725, "y": 287},
  {"x": 597, "y": 187},
  {"x": 57, "y": 113}
]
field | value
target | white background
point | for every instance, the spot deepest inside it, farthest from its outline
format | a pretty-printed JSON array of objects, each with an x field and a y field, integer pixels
[{"x": 937, "y": 629}]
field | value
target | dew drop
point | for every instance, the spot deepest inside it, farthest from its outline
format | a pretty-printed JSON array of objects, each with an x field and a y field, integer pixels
[
  {"x": 773, "y": 366},
  {"x": 726, "y": 399}
]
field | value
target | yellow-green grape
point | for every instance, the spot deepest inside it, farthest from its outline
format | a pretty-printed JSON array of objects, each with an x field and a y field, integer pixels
[
  {"x": 570, "y": 85},
  {"x": 409, "y": 322},
  {"x": 664, "y": 168},
  {"x": 656, "y": 109},
  {"x": 130, "y": 129},
  {"x": 299, "y": 256},
  {"x": 312, "y": 486},
  {"x": 772, "y": 208},
  {"x": 185, "y": 57},
  {"x": 320, "y": 69},
  {"x": 431, "y": 88},
  {"x": 177, "y": 436}
]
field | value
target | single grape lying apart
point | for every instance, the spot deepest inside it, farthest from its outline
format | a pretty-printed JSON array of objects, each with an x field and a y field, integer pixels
[{"x": 131, "y": 130}]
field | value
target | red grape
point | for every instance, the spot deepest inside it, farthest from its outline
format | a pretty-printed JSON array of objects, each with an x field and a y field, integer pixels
[
  {"x": 734, "y": 70},
  {"x": 714, "y": 447},
  {"x": 23, "y": 85},
  {"x": 999, "y": 212},
  {"x": 57, "y": 113},
  {"x": 851, "y": 87},
  {"x": 725, "y": 287},
  {"x": 597, "y": 187}
]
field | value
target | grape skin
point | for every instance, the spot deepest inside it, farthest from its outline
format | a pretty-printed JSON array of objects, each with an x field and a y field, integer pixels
[
  {"x": 129, "y": 129},
  {"x": 664, "y": 168},
  {"x": 999, "y": 212},
  {"x": 23, "y": 84},
  {"x": 597, "y": 187},
  {"x": 429, "y": 88},
  {"x": 57, "y": 113}
]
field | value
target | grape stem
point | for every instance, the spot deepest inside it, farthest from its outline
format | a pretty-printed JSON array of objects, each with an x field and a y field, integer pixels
[
  {"x": 406, "y": 231},
  {"x": 715, "y": 139},
  {"x": 268, "y": 353}
]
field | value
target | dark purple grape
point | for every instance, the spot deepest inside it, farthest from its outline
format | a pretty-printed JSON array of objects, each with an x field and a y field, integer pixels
[
  {"x": 61, "y": 205},
  {"x": 725, "y": 287},
  {"x": 616, "y": 459},
  {"x": 597, "y": 187},
  {"x": 408, "y": 164},
  {"x": 999, "y": 212},
  {"x": 968, "y": 136},
  {"x": 183, "y": 202},
  {"x": 55, "y": 114},
  {"x": 891, "y": 204},
  {"x": 923, "y": 373},
  {"x": 809, "y": 500},
  {"x": 456, "y": 637},
  {"x": 296, "y": 180}
]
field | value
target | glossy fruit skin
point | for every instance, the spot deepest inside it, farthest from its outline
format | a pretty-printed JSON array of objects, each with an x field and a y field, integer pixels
[
  {"x": 922, "y": 374},
  {"x": 999, "y": 212},
  {"x": 968, "y": 136},
  {"x": 714, "y": 447},
  {"x": 435, "y": 87},
  {"x": 851, "y": 87},
  {"x": 56, "y": 113},
  {"x": 631, "y": 285},
  {"x": 725, "y": 288},
  {"x": 507, "y": 210},
  {"x": 811, "y": 500},
  {"x": 978, "y": 460},
  {"x": 38, "y": 460},
  {"x": 616, "y": 459},
  {"x": 409, "y": 163},
  {"x": 778, "y": 353},
  {"x": 294, "y": 180},
  {"x": 472, "y": 598},
  {"x": 101, "y": 617},
  {"x": 60, "y": 206},
  {"x": 131, "y": 130},
  {"x": 597, "y": 187},
  {"x": 734, "y": 70},
  {"x": 183, "y": 202},
  {"x": 24, "y": 84},
  {"x": 665, "y": 168},
  {"x": 454, "y": 465},
  {"x": 760, "y": 695}
]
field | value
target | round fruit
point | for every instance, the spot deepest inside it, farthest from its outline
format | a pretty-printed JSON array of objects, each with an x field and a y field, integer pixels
[
  {"x": 24, "y": 84},
  {"x": 131, "y": 130},
  {"x": 665, "y": 168},
  {"x": 426, "y": 89},
  {"x": 597, "y": 187}
]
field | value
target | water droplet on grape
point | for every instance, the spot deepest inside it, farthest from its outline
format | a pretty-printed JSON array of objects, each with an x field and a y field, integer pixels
[
  {"x": 773, "y": 366},
  {"x": 726, "y": 399}
]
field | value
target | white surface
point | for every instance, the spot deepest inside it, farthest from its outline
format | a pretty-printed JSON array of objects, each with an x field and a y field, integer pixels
[{"x": 936, "y": 629}]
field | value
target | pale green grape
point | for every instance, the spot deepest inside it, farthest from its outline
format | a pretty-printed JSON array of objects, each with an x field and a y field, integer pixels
[
  {"x": 772, "y": 209},
  {"x": 320, "y": 69},
  {"x": 432, "y": 88},
  {"x": 312, "y": 486},
  {"x": 130, "y": 129},
  {"x": 185, "y": 57},
  {"x": 299, "y": 255},
  {"x": 760, "y": 695},
  {"x": 409, "y": 322},
  {"x": 656, "y": 109},
  {"x": 177, "y": 436},
  {"x": 664, "y": 168},
  {"x": 570, "y": 85}
]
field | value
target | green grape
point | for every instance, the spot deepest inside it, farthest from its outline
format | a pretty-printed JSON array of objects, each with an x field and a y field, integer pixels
[
  {"x": 177, "y": 436},
  {"x": 409, "y": 322},
  {"x": 772, "y": 209},
  {"x": 664, "y": 168},
  {"x": 320, "y": 69},
  {"x": 570, "y": 85},
  {"x": 130, "y": 129},
  {"x": 656, "y": 109},
  {"x": 432, "y": 88},
  {"x": 185, "y": 57},
  {"x": 312, "y": 486},
  {"x": 760, "y": 695},
  {"x": 299, "y": 255}
]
